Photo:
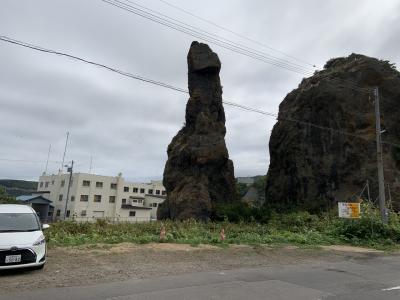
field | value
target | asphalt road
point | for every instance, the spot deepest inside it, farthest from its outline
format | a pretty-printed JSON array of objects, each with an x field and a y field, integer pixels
[{"x": 369, "y": 277}]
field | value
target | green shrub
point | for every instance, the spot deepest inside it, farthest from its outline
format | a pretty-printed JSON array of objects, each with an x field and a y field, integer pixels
[
  {"x": 260, "y": 227},
  {"x": 240, "y": 212},
  {"x": 369, "y": 227},
  {"x": 6, "y": 199},
  {"x": 295, "y": 221}
]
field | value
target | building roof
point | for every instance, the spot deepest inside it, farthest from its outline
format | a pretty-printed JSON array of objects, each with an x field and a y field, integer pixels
[
  {"x": 156, "y": 196},
  {"x": 136, "y": 197},
  {"x": 28, "y": 198},
  {"x": 16, "y": 208},
  {"x": 36, "y": 199},
  {"x": 128, "y": 206}
]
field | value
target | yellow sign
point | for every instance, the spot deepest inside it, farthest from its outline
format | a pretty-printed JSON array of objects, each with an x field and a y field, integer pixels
[{"x": 349, "y": 210}]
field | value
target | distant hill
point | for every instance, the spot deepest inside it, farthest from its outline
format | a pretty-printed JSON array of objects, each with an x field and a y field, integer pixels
[{"x": 18, "y": 187}]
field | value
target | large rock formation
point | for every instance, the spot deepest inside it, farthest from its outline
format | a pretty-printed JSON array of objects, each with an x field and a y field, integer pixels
[
  {"x": 199, "y": 174},
  {"x": 313, "y": 168}
]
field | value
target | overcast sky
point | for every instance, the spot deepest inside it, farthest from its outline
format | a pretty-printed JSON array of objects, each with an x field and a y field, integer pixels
[{"x": 126, "y": 125}]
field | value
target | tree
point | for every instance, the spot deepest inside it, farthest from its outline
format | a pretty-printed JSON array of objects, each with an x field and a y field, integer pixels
[
  {"x": 241, "y": 189},
  {"x": 5, "y": 199}
]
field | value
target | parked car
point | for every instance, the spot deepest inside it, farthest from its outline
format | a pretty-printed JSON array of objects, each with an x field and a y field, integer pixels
[{"x": 22, "y": 243}]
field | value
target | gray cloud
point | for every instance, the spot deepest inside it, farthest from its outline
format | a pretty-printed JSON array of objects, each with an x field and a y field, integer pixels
[{"x": 126, "y": 125}]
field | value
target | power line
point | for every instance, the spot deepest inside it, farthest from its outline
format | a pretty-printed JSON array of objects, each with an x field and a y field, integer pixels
[
  {"x": 38, "y": 48},
  {"x": 302, "y": 66},
  {"x": 159, "y": 83},
  {"x": 236, "y": 34},
  {"x": 209, "y": 38},
  {"x": 222, "y": 42},
  {"x": 349, "y": 83}
]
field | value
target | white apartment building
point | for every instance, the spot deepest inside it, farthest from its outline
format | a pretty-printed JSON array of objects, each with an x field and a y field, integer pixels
[{"x": 95, "y": 196}]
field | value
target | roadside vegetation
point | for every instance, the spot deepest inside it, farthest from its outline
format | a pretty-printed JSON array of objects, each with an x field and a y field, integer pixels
[
  {"x": 297, "y": 228},
  {"x": 6, "y": 199}
]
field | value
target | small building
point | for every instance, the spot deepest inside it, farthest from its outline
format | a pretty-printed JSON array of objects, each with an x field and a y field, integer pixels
[
  {"x": 92, "y": 197},
  {"x": 245, "y": 180},
  {"x": 153, "y": 201},
  {"x": 43, "y": 207}
]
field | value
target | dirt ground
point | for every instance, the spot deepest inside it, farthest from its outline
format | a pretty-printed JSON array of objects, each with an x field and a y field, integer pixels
[{"x": 105, "y": 263}]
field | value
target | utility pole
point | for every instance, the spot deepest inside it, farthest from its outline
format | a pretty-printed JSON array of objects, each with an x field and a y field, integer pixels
[
  {"x": 70, "y": 169},
  {"x": 381, "y": 179}
]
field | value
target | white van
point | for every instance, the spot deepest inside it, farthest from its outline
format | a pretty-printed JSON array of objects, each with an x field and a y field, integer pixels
[{"x": 22, "y": 243}]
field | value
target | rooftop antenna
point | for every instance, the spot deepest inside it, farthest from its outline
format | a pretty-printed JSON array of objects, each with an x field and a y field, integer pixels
[
  {"x": 47, "y": 161},
  {"x": 91, "y": 164},
  {"x": 65, "y": 151}
]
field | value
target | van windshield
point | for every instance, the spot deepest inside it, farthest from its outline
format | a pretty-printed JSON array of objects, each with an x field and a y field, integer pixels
[{"x": 17, "y": 222}]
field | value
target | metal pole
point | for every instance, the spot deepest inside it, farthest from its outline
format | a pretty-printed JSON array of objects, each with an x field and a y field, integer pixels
[
  {"x": 369, "y": 196},
  {"x": 381, "y": 178},
  {"x": 70, "y": 169},
  {"x": 65, "y": 150},
  {"x": 47, "y": 161},
  {"x": 91, "y": 164},
  {"x": 390, "y": 197}
]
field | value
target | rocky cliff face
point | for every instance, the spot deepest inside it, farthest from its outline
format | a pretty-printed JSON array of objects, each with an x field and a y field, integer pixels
[
  {"x": 199, "y": 173},
  {"x": 312, "y": 168}
]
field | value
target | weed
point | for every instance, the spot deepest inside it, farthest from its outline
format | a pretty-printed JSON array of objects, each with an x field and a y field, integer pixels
[{"x": 301, "y": 228}]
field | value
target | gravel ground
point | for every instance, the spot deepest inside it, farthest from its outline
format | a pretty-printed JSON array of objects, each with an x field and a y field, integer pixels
[{"x": 105, "y": 263}]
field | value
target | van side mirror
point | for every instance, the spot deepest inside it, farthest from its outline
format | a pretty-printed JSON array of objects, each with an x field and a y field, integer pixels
[{"x": 45, "y": 226}]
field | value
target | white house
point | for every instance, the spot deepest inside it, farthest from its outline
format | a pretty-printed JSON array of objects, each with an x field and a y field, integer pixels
[{"x": 94, "y": 196}]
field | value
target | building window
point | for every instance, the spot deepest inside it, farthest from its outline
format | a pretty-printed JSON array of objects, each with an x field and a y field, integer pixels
[
  {"x": 150, "y": 192},
  {"x": 112, "y": 199},
  {"x": 123, "y": 201},
  {"x": 68, "y": 213},
  {"x": 86, "y": 183},
  {"x": 135, "y": 190},
  {"x": 72, "y": 198},
  {"x": 84, "y": 198},
  {"x": 164, "y": 192},
  {"x": 41, "y": 184},
  {"x": 157, "y": 192},
  {"x": 140, "y": 200},
  {"x": 46, "y": 184},
  {"x": 62, "y": 183},
  {"x": 52, "y": 182},
  {"x": 142, "y": 191},
  {"x": 135, "y": 200},
  {"x": 113, "y": 186},
  {"x": 97, "y": 198},
  {"x": 58, "y": 213},
  {"x": 99, "y": 184},
  {"x": 132, "y": 213},
  {"x": 126, "y": 188},
  {"x": 83, "y": 213},
  {"x": 60, "y": 197},
  {"x": 154, "y": 204}
]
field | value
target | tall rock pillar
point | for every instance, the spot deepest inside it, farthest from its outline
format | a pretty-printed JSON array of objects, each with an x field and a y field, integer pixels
[{"x": 199, "y": 174}]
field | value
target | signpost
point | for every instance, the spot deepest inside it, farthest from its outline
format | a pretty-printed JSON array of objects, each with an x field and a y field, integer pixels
[{"x": 349, "y": 210}]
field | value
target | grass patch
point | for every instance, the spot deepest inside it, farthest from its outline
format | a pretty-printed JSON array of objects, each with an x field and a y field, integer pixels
[{"x": 301, "y": 229}]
